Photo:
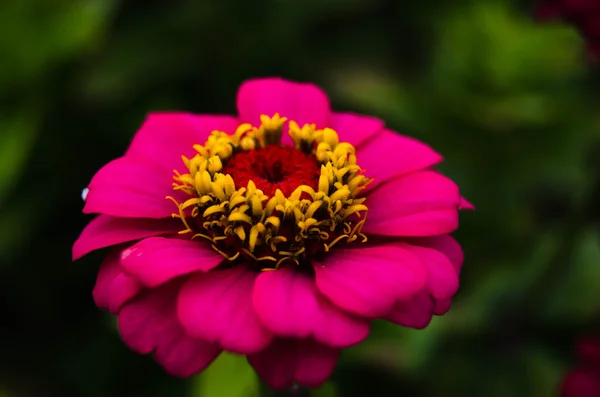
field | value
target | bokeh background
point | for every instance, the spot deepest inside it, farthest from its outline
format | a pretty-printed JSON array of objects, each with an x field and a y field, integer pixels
[{"x": 512, "y": 105}]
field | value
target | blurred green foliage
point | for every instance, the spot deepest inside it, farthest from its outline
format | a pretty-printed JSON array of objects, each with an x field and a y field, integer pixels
[{"x": 511, "y": 104}]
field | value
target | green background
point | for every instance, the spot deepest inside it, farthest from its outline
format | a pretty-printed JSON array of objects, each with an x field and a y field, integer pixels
[{"x": 511, "y": 104}]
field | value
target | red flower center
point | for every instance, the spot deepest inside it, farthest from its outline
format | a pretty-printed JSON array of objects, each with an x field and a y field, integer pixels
[{"x": 274, "y": 167}]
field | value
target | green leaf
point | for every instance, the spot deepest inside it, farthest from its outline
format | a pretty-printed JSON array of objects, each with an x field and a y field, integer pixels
[{"x": 229, "y": 375}]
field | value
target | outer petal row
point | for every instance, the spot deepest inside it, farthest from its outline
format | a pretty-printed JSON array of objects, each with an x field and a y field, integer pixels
[
  {"x": 212, "y": 311},
  {"x": 422, "y": 203}
]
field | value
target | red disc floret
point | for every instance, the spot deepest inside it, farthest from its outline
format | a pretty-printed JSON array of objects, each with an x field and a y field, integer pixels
[{"x": 274, "y": 167}]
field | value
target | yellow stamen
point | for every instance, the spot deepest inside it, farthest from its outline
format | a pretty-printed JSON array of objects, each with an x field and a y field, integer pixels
[{"x": 274, "y": 229}]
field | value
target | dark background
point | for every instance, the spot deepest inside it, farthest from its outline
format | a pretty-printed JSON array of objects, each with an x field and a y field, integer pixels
[{"x": 512, "y": 105}]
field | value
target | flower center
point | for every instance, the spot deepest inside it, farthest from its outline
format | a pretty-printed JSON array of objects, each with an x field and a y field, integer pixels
[
  {"x": 268, "y": 204},
  {"x": 274, "y": 167}
]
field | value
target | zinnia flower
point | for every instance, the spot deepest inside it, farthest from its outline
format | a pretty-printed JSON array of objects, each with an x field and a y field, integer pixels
[
  {"x": 250, "y": 234},
  {"x": 583, "y": 14},
  {"x": 584, "y": 379}
]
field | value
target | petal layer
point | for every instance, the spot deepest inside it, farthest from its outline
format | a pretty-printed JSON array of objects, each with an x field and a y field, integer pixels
[
  {"x": 448, "y": 246},
  {"x": 581, "y": 382},
  {"x": 287, "y": 360},
  {"x": 442, "y": 277},
  {"x": 104, "y": 231},
  {"x": 148, "y": 324},
  {"x": 414, "y": 313},
  {"x": 302, "y": 102},
  {"x": 113, "y": 287},
  {"x": 356, "y": 129},
  {"x": 217, "y": 307},
  {"x": 388, "y": 155},
  {"x": 289, "y": 304},
  {"x": 132, "y": 187},
  {"x": 156, "y": 260},
  {"x": 423, "y": 203},
  {"x": 369, "y": 281},
  {"x": 164, "y": 137}
]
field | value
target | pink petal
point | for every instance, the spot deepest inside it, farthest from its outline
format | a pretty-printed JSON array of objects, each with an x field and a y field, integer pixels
[
  {"x": 302, "y": 102},
  {"x": 447, "y": 245},
  {"x": 104, "y": 231},
  {"x": 388, "y": 155},
  {"x": 289, "y": 304},
  {"x": 288, "y": 360},
  {"x": 588, "y": 350},
  {"x": 132, "y": 188},
  {"x": 356, "y": 129},
  {"x": 452, "y": 250},
  {"x": 217, "y": 307},
  {"x": 369, "y": 281},
  {"x": 148, "y": 324},
  {"x": 113, "y": 287},
  {"x": 581, "y": 383},
  {"x": 443, "y": 279},
  {"x": 183, "y": 356},
  {"x": 164, "y": 137},
  {"x": 277, "y": 364},
  {"x": 465, "y": 205},
  {"x": 547, "y": 11},
  {"x": 419, "y": 204},
  {"x": 156, "y": 260},
  {"x": 415, "y": 313},
  {"x": 148, "y": 320},
  {"x": 442, "y": 306},
  {"x": 316, "y": 363}
]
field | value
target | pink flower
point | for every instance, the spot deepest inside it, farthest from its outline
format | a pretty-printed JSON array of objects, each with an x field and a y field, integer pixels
[
  {"x": 584, "y": 379},
  {"x": 583, "y": 14},
  {"x": 259, "y": 242}
]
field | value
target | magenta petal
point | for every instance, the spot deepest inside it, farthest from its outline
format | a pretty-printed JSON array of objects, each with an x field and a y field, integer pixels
[
  {"x": 302, "y": 102},
  {"x": 443, "y": 279},
  {"x": 369, "y": 281},
  {"x": 442, "y": 306},
  {"x": 316, "y": 363},
  {"x": 448, "y": 246},
  {"x": 132, "y": 188},
  {"x": 388, "y": 155},
  {"x": 183, "y": 356},
  {"x": 277, "y": 364},
  {"x": 104, "y": 231},
  {"x": 545, "y": 11},
  {"x": 581, "y": 382},
  {"x": 465, "y": 205},
  {"x": 415, "y": 313},
  {"x": 164, "y": 137},
  {"x": 217, "y": 307},
  {"x": 289, "y": 304},
  {"x": 113, "y": 287},
  {"x": 156, "y": 260},
  {"x": 287, "y": 360},
  {"x": 355, "y": 128},
  {"x": 147, "y": 320},
  {"x": 423, "y": 203},
  {"x": 148, "y": 324}
]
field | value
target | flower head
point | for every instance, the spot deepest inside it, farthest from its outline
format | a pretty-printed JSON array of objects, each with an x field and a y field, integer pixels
[
  {"x": 278, "y": 234},
  {"x": 584, "y": 379},
  {"x": 583, "y": 14}
]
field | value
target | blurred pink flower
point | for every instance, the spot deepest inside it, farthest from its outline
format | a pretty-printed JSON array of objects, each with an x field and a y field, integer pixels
[
  {"x": 583, "y": 14},
  {"x": 263, "y": 247},
  {"x": 584, "y": 379}
]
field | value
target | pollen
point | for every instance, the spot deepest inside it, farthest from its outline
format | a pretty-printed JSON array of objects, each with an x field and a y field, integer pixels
[{"x": 253, "y": 199}]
